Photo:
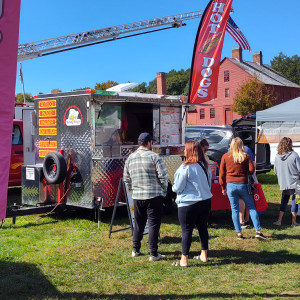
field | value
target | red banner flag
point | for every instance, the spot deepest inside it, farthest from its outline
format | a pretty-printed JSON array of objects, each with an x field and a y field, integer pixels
[
  {"x": 9, "y": 36},
  {"x": 207, "y": 51}
]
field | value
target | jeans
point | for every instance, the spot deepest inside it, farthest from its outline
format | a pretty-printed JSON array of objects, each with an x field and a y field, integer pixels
[
  {"x": 189, "y": 216},
  {"x": 234, "y": 192},
  {"x": 150, "y": 209}
]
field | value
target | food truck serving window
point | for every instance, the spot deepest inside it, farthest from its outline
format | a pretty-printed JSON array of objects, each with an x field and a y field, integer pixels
[{"x": 108, "y": 124}]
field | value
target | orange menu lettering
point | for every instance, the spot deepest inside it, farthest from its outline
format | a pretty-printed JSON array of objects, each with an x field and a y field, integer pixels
[
  {"x": 43, "y": 153},
  {"x": 47, "y": 104},
  {"x": 47, "y": 122},
  {"x": 47, "y": 131},
  {"x": 47, "y": 113},
  {"x": 48, "y": 144}
]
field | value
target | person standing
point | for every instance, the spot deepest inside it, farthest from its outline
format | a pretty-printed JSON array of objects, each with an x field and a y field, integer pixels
[
  {"x": 146, "y": 175},
  {"x": 192, "y": 183},
  {"x": 287, "y": 169},
  {"x": 234, "y": 170}
]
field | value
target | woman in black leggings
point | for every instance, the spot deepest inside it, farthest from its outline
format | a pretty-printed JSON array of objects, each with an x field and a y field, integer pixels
[{"x": 192, "y": 183}]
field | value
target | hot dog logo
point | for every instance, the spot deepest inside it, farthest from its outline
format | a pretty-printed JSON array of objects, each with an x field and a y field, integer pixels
[
  {"x": 73, "y": 116},
  {"x": 211, "y": 43}
]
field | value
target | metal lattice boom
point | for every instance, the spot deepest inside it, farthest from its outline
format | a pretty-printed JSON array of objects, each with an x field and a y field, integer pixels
[{"x": 40, "y": 48}]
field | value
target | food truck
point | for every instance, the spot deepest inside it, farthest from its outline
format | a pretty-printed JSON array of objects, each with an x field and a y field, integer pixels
[{"x": 81, "y": 140}]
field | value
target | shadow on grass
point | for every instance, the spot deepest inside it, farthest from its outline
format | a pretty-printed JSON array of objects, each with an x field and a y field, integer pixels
[
  {"x": 24, "y": 281},
  {"x": 174, "y": 296},
  {"x": 31, "y": 224},
  {"x": 229, "y": 256}
]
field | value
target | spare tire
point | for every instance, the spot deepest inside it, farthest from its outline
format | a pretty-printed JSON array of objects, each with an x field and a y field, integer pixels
[{"x": 55, "y": 168}]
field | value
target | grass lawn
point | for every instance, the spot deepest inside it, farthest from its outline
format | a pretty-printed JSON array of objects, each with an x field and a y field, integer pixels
[{"x": 67, "y": 256}]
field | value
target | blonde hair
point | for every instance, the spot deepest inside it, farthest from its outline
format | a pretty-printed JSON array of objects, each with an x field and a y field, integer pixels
[
  {"x": 285, "y": 145},
  {"x": 237, "y": 150}
]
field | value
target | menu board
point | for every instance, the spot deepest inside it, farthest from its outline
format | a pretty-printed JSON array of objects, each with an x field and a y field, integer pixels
[{"x": 170, "y": 121}]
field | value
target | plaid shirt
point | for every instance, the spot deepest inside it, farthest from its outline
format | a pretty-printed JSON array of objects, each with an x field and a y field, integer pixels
[{"x": 146, "y": 174}]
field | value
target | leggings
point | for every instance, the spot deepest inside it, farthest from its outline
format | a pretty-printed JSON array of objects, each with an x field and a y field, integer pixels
[
  {"x": 191, "y": 216},
  {"x": 284, "y": 201}
]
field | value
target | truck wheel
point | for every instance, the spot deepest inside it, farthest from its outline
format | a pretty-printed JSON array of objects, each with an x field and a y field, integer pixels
[{"x": 55, "y": 168}]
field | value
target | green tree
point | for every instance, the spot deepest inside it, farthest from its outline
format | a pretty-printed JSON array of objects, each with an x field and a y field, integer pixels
[
  {"x": 251, "y": 96},
  {"x": 287, "y": 66},
  {"x": 105, "y": 85},
  {"x": 141, "y": 88},
  {"x": 20, "y": 99}
]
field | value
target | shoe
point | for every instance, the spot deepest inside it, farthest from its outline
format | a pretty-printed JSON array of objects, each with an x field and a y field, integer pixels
[
  {"x": 177, "y": 264},
  {"x": 157, "y": 258},
  {"x": 240, "y": 237},
  {"x": 295, "y": 225},
  {"x": 135, "y": 253},
  {"x": 277, "y": 223},
  {"x": 260, "y": 236},
  {"x": 245, "y": 224}
]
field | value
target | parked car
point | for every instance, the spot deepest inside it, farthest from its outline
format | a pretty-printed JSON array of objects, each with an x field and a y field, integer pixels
[{"x": 219, "y": 138}]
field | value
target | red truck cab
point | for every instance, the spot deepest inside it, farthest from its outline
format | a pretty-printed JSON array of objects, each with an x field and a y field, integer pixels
[{"x": 17, "y": 154}]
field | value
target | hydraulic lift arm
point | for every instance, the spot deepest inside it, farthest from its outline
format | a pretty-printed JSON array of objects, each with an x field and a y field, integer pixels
[{"x": 91, "y": 37}]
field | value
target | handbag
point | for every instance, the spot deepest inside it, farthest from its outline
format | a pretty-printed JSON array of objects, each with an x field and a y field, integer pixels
[
  {"x": 251, "y": 185},
  {"x": 260, "y": 201}
]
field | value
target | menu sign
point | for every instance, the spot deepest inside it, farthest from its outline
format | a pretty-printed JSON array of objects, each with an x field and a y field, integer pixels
[{"x": 170, "y": 120}]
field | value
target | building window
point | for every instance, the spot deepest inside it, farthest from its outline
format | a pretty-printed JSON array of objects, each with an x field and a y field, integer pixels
[
  {"x": 226, "y": 76},
  {"x": 202, "y": 113},
  {"x": 226, "y": 93},
  {"x": 212, "y": 113}
]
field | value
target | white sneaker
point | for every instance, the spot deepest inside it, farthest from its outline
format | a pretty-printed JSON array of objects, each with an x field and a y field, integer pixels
[
  {"x": 277, "y": 223},
  {"x": 135, "y": 254},
  {"x": 157, "y": 258}
]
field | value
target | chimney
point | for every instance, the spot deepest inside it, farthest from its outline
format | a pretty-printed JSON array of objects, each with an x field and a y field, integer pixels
[
  {"x": 257, "y": 57},
  {"x": 161, "y": 83},
  {"x": 237, "y": 53}
]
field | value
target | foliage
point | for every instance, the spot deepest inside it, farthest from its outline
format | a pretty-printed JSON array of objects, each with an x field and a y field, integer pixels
[
  {"x": 177, "y": 83},
  {"x": 82, "y": 89},
  {"x": 105, "y": 85},
  {"x": 287, "y": 66},
  {"x": 65, "y": 256},
  {"x": 251, "y": 96},
  {"x": 55, "y": 91},
  {"x": 20, "y": 99}
]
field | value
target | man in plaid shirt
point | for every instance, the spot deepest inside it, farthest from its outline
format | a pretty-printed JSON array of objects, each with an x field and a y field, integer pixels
[{"x": 146, "y": 175}]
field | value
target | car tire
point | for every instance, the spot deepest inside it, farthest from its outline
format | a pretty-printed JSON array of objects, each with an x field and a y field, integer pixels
[{"x": 55, "y": 168}]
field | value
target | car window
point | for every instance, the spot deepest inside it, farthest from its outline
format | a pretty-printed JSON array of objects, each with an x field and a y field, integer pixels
[
  {"x": 212, "y": 136},
  {"x": 17, "y": 138}
]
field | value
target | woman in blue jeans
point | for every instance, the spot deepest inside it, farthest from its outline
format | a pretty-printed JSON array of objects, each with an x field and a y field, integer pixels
[{"x": 235, "y": 167}]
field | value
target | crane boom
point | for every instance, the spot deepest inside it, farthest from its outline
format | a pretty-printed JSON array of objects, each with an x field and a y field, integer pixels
[{"x": 40, "y": 48}]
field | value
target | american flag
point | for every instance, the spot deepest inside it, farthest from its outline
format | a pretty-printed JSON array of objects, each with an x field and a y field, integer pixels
[{"x": 237, "y": 34}]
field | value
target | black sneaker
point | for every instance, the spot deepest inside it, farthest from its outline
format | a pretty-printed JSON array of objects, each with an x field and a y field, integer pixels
[
  {"x": 245, "y": 224},
  {"x": 260, "y": 236},
  {"x": 240, "y": 237}
]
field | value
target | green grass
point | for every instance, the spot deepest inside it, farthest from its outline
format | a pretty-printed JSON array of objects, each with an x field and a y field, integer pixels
[{"x": 67, "y": 256}]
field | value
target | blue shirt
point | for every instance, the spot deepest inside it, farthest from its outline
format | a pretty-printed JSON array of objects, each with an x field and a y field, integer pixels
[{"x": 191, "y": 185}]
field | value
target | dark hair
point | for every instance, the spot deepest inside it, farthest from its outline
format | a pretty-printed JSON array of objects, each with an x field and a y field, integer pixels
[
  {"x": 285, "y": 145},
  {"x": 194, "y": 153},
  {"x": 204, "y": 143}
]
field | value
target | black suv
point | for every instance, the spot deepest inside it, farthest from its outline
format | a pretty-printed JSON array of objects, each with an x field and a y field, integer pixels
[{"x": 219, "y": 138}]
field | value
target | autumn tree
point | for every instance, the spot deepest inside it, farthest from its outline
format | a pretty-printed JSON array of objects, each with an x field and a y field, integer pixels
[
  {"x": 287, "y": 66},
  {"x": 105, "y": 85},
  {"x": 55, "y": 91},
  {"x": 251, "y": 96},
  {"x": 20, "y": 98}
]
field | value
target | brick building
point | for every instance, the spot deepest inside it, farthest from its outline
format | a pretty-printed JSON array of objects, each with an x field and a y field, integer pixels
[{"x": 233, "y": 72}]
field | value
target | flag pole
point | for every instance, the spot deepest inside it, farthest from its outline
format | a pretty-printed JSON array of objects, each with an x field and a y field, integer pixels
[{"x": 22, "y": 81}]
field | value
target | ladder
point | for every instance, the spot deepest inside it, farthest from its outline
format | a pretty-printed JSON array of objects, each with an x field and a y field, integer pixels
[{"x": 72, "y": 41}]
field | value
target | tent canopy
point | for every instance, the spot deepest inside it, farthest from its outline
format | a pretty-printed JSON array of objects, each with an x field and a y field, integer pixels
[{"x": 286, "y": 112}]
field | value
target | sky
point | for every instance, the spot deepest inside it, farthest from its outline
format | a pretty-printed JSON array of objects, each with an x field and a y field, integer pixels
[{"x": 270, "y": 26}]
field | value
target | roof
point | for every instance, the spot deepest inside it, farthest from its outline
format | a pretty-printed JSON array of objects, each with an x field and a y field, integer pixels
[
  {"x": 288, "y": 111},
  {"x": 264, "y": 73},
  {"x": 123, "y": 87}
]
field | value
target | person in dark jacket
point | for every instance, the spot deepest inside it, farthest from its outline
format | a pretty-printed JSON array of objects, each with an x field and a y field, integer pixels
[{"x": 287, "y": 169}]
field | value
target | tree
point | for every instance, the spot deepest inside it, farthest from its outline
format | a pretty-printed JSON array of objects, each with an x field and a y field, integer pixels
[
  {"x": 287, "y": 66},
  {"x": 251, "y": 96},
  {"x": 55, "y": 91},
  {"x": 20, "y": 99},
  {"x": 105, "y": 85}
]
